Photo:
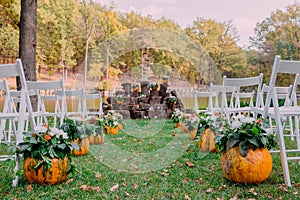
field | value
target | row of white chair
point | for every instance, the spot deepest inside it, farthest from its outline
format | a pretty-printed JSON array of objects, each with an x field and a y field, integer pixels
[
  {"x": 266, "y": 104},
  {"x": 16, "y": 119}
]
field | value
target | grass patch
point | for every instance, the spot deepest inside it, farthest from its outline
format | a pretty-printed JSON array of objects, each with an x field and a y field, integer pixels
[{"x": 172, "y": 179}]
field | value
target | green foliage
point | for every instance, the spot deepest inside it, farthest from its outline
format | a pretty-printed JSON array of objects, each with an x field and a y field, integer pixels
[
  {"x": 177, "y": 115},
  {"x": 44, "y": 144},
  {"x": 74, "y": 127},
  {"x": 246, "y": 133}
]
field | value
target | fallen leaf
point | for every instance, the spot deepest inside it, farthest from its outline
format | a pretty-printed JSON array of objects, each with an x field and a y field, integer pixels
[
  {"x": 220, "y": 198},
  {"x": 84, "y": 187},
  {"x": 251, "y": 199},
  {"x": 165, "y": 170},
  {"x": 113, "y": 188},
  {"x": 283, "y": 188},
  {"x": 295, "y": 193},
  {"x": 164, "y": 174},
  {"x": 235, "y": 197},
  {"x": 97, "y": 189},
  {"x": 69, "y": 180},
  {"x": 135, "y": 186},
  {"x": 189, "y": 163},
  {"x": 29, "y": 188},
  {"x": 186, "y": 197},
  {"x": 222, "y": 187},
  {"x": 127, "y": 194},
  {"x": 101, "y": 158},
  {"x": 199, "y": 180},
  {"x": 209, "y": 190},
  {"x": 251, "y": 190},
  {"x": 185, "y": 180},
  {"x": 98, "y": 176},
  {"x": 118, "y": 198}
]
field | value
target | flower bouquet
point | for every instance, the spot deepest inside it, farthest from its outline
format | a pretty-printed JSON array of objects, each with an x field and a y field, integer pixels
[{"x": 46, "y": 155}]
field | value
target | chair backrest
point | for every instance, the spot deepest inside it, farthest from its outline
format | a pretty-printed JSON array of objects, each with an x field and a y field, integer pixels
[
  {"x": 94, "y": 97},
  {"x": 16, "y": 70},
  {"x": 226, "y": 93},
  {"x": 45, "y": 91},
  {"x": 242, "y": 84},
  {"x": 279, "y": 67}
]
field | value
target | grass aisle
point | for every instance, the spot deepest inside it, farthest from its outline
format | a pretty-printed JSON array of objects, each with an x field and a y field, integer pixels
[{"x": 149, "y": 160}]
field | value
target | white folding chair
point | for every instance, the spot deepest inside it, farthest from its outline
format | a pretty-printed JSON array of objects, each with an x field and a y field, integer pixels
[
  {"x": 224, "y": 98},
  {"x": 210, "y": 96},
  {"x": 249, "y": 83},
  {"x": 45, "y": 91},
  {"x": 16, "y": 70},
  {"x": 281, "y": 114},
  {"x": 93, "y": 99},
  {"x": 74, "y": 102}
]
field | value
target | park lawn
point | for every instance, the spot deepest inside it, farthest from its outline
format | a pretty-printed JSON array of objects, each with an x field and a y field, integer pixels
[{"x": 190, "y": 175}]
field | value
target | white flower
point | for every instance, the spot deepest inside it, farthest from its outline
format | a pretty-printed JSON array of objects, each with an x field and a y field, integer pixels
[
  {"x": 40, "y": 129},
  {"x": 115, "y": 123},
  {"x": 64, "y": 134},
  {"x": 235, "y": 124},
  {"x": 248, "y": 120}
]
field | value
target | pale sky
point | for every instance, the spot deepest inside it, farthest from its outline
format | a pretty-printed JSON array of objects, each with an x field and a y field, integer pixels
[{"x": 244, "y": 13}]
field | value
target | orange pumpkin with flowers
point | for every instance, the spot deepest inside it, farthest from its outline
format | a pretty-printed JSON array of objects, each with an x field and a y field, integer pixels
[{"x": 244, "y": 145}]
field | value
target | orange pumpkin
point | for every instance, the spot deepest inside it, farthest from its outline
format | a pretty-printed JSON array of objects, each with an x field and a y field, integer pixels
[
  {"x": 193, "y": 134},
  {"x": 55, "y": 174},
  {"x": 177, "y": 125},
  {"x": 111, "y": 130},
  {"x": 207, "y": 141},
  {"x": 95, "y": 139},
  {"x": 254, "y": 168},
  {"x": 83, "y": 146},
  {"x": 183, "y": 128}
]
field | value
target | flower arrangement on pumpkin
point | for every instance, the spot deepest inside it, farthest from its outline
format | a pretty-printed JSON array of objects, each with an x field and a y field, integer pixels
[
  {"x": 171, "y": 99},
  {"x": 46, "y": 150},
  {"x": 78, "y": 133},
  {"x": 112, "y": 119},
  {"x": 120, "y": 99},
  {"x": 244, "y": 144},
  {"x": 153, "y": 86},
  {"x": 95, "y": 129},
  {"x": 245, "y": 132},
  {"x": 176, "y": 116},
  {"x": 135, "y": 87}
]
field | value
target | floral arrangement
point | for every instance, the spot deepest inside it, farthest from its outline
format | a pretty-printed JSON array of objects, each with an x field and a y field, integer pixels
[
  {"x": 171, "y": 99},
  {"x": 153, "y": 85},
  {"x": 176, "y": 116},
  {"x": 165, "y": 77},
  {"x": 45, "y": 143},
  {"x": 245, "y": 132},
  {"x": 135, "y": 85},
  {"x": 209, "y": 120},
  {"x": 191, "y": 122},
  {"x": 120, "y": 98},
  {"x": 112, "y": 119},
  {"x": 94, "y": 125},
  {"x": 75, "y": 127}
]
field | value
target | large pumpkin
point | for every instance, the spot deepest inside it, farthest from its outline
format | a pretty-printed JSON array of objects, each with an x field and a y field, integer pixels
[
  {"x": 254, "y": 168},
  {"x": 207, "y": 141},
  {"x": 111, "y": 130},
  {"x": 95, "y": 139},
  {"x": 55, "y": 174},
  {"x": 83, "y": 145},
  {"x": 193, "y": 133}
]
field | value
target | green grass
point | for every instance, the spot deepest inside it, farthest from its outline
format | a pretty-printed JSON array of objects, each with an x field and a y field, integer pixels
[{"x": 148, "y": 161}]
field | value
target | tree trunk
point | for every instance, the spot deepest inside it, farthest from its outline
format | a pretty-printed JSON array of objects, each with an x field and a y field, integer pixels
[
  {"x": 27, "y": 42},
  {"x": 27, "y": 47}
]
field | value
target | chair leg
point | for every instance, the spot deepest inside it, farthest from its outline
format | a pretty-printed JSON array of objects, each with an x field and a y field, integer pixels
[
  {"x": 16, "y": 179},
  {"x": 283, "y": 154}
]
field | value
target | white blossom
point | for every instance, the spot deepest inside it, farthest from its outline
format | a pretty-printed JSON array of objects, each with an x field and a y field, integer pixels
[
  {"x": 248, "y": 120},
  {"x": 40, "y": 129},
  {"x": 235, "y": 124}
]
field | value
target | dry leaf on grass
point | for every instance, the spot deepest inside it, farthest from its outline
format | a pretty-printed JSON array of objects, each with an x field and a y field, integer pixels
[
  {"x": 185, "y": 180},
  {"x": 127, "y": 194},
  {"x": 113, "y": 188},
  {"x": 29, "y": 188},
  {"x": 209, "y": 190},
  {"x": 251, "y": 190},
  {"x": 189, "y": 163},
  {"x": 222, "y": 187},
  {"x": 98, "y": 176},
  {"x": 283, "y": 188},
  {"x": 235, "y": 197},
  {"x": 199, "y": 180},
  {"x": 135, "y": 186},
  {"x": 69, "y": 180},
  {"x": 186, "y": 197}
]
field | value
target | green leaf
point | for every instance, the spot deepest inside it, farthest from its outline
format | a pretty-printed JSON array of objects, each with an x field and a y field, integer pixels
[{"x": 253, "y": 141}]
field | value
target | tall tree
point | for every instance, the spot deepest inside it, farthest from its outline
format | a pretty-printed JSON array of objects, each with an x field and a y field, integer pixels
[{"x": 27, "y": 46}]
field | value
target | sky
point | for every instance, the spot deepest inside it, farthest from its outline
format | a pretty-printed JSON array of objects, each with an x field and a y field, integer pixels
[{"x": 245, "y": 14}]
